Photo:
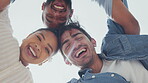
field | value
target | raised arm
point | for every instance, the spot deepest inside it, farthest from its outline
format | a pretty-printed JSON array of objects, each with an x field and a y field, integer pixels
[
  {"x": 122, "y": 16},
  {"x": 118, "y": 11}
]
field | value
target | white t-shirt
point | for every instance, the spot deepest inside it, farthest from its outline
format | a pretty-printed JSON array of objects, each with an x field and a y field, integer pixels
[
  {"x": 132, "y": 71},
  {"x": 11, "y": 69}
]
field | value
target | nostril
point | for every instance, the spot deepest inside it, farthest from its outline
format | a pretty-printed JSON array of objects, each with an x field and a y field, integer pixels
[
  {"x": 35, "y": 45},
  {"x": 38, "y": 50}
]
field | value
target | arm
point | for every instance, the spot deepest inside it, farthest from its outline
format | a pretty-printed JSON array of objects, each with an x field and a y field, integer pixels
[
  {"x": 118, "y": 11},
  {"x": 122, "y": 16}
]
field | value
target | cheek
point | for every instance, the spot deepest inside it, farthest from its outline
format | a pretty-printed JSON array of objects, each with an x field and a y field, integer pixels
[
  {"x": 66, "y": 51},
  {"x": 24, "y": 42},
  {"x": 44, "y": 54}
]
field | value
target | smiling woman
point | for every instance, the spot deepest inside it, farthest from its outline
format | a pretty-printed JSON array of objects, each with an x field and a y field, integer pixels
[
  {"x": 38, "y": 46},
  {"x": 35, "y": 49},
  {"x": 90, "y": 16}
]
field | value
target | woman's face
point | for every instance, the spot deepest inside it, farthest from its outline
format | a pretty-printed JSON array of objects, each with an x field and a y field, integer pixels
[{"x": 38, "y": 47}]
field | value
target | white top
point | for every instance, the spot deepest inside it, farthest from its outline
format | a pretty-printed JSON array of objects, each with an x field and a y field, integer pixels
[
  {"x": 11, "y": 69},
  {"x": 132, "y": 71}
]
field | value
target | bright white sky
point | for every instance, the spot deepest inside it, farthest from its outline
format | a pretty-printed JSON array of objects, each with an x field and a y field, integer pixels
[{"x": 25, "y": 18}]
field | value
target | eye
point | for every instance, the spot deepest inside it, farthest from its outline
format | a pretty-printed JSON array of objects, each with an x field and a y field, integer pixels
[
  {"x": 79, "y": 38},
  {"x": 38, "y": 38},
  {"x": 47, "y": 50},
  {"x": 49, "y": 16},
  {"x": 67, "y": 46}
]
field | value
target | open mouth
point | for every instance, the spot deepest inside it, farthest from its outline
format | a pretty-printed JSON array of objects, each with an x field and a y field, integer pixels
[
  {"x": 81, "y": 53},
  {"x": 31, "y": 52},
  {"x": 58, "y": 7}
]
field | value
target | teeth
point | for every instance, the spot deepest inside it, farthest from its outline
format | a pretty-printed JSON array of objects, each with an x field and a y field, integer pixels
[
  {"x": 58, "y": 7},
  {"x": 32, "y": 51},
  {"x": 80, "y": 52}
]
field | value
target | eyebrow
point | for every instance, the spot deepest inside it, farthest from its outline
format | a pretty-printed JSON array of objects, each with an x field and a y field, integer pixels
[
  {"x": 74, "y": 35},
  {"x": 42, "y": 36},
  {"x": 48, "y": 43},
  {"x": 50, "y": 47},
  {"x": 48, "y": 20}
]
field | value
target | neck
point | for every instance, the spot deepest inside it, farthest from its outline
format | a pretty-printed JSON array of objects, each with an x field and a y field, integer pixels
[
  {"x": 96, "y": 65},
  {"x": 23, "y": 62}
]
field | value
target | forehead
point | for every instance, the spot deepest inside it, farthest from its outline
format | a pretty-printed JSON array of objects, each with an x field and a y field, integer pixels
[
  {"x": 50, "y": 37},
  {"x": 47, "y": 34}
]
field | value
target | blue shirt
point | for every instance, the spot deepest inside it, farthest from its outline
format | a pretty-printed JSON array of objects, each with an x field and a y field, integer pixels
[
  {"x": 117, "y": 45},
  {"x": 88, "y": 77}
]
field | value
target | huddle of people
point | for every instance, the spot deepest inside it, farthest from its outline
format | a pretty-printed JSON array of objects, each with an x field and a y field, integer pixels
[{"x": 123, "y": 57}]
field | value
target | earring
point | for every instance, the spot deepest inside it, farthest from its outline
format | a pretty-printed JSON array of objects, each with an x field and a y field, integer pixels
[{"x": 48, "y": 59}]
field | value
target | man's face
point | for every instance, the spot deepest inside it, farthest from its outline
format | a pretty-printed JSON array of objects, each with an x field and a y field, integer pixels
[
  {"x": 38, "y": 46},
  {"x": 77, "y": 47},
  {"x": 56, "y": 13}
]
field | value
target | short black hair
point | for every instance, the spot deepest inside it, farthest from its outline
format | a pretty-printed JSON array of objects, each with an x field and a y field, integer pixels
[
  {"x": 54, "y": 31},
  {"x": 68, "y": 2},
  {"x": 72, "y": 25}
]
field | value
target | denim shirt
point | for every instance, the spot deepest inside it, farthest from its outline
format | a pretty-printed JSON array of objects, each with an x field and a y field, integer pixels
[
  {"x": 108, "y": 77},
  {"x": 119, "y": 46}
]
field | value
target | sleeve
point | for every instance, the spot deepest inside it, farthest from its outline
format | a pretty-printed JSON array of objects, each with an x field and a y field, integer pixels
[
  {"x": 107, "y": 5},
  {"x": 73, "y": 80},
  {"x": 4, "y": 20},
  {"x": 114, "y": 28},
  {"x": 11, "y": 1}
]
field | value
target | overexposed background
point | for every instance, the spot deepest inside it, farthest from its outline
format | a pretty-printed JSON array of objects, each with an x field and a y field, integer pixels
[{"x": 25, "y": 18}]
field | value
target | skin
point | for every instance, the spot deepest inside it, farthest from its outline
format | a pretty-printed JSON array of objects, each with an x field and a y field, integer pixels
[
  {"x": 43, "y": 45},
  {"x": 4, "y": 4},
  {"x": 56, "y": 13},
  {"x": 42, "y": 48},
  {"x": 83, "y": 53},
  {"x": 89, "y": 58},
  {"x": 122, "y": 16}
]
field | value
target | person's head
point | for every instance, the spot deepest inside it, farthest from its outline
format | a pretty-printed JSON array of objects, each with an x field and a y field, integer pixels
[
  {"x": 76, "y": 45},
  {"x": 56, "y": 12},
  {"x": 38, "y": 46}
]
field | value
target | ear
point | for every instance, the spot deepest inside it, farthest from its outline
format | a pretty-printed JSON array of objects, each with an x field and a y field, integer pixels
[
  {"x": 67, "y": 62},
  {"x": 93, "y": 42},
  {"x": 71, "y": 12},
  {"x": 43, "y": 6}
]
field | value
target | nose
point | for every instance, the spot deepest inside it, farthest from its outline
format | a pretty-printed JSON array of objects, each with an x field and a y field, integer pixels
[
  {"x": 75, "y": 44},
  {"x": 37, "y": 47},
  {"x": 56, "y": 13}
]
